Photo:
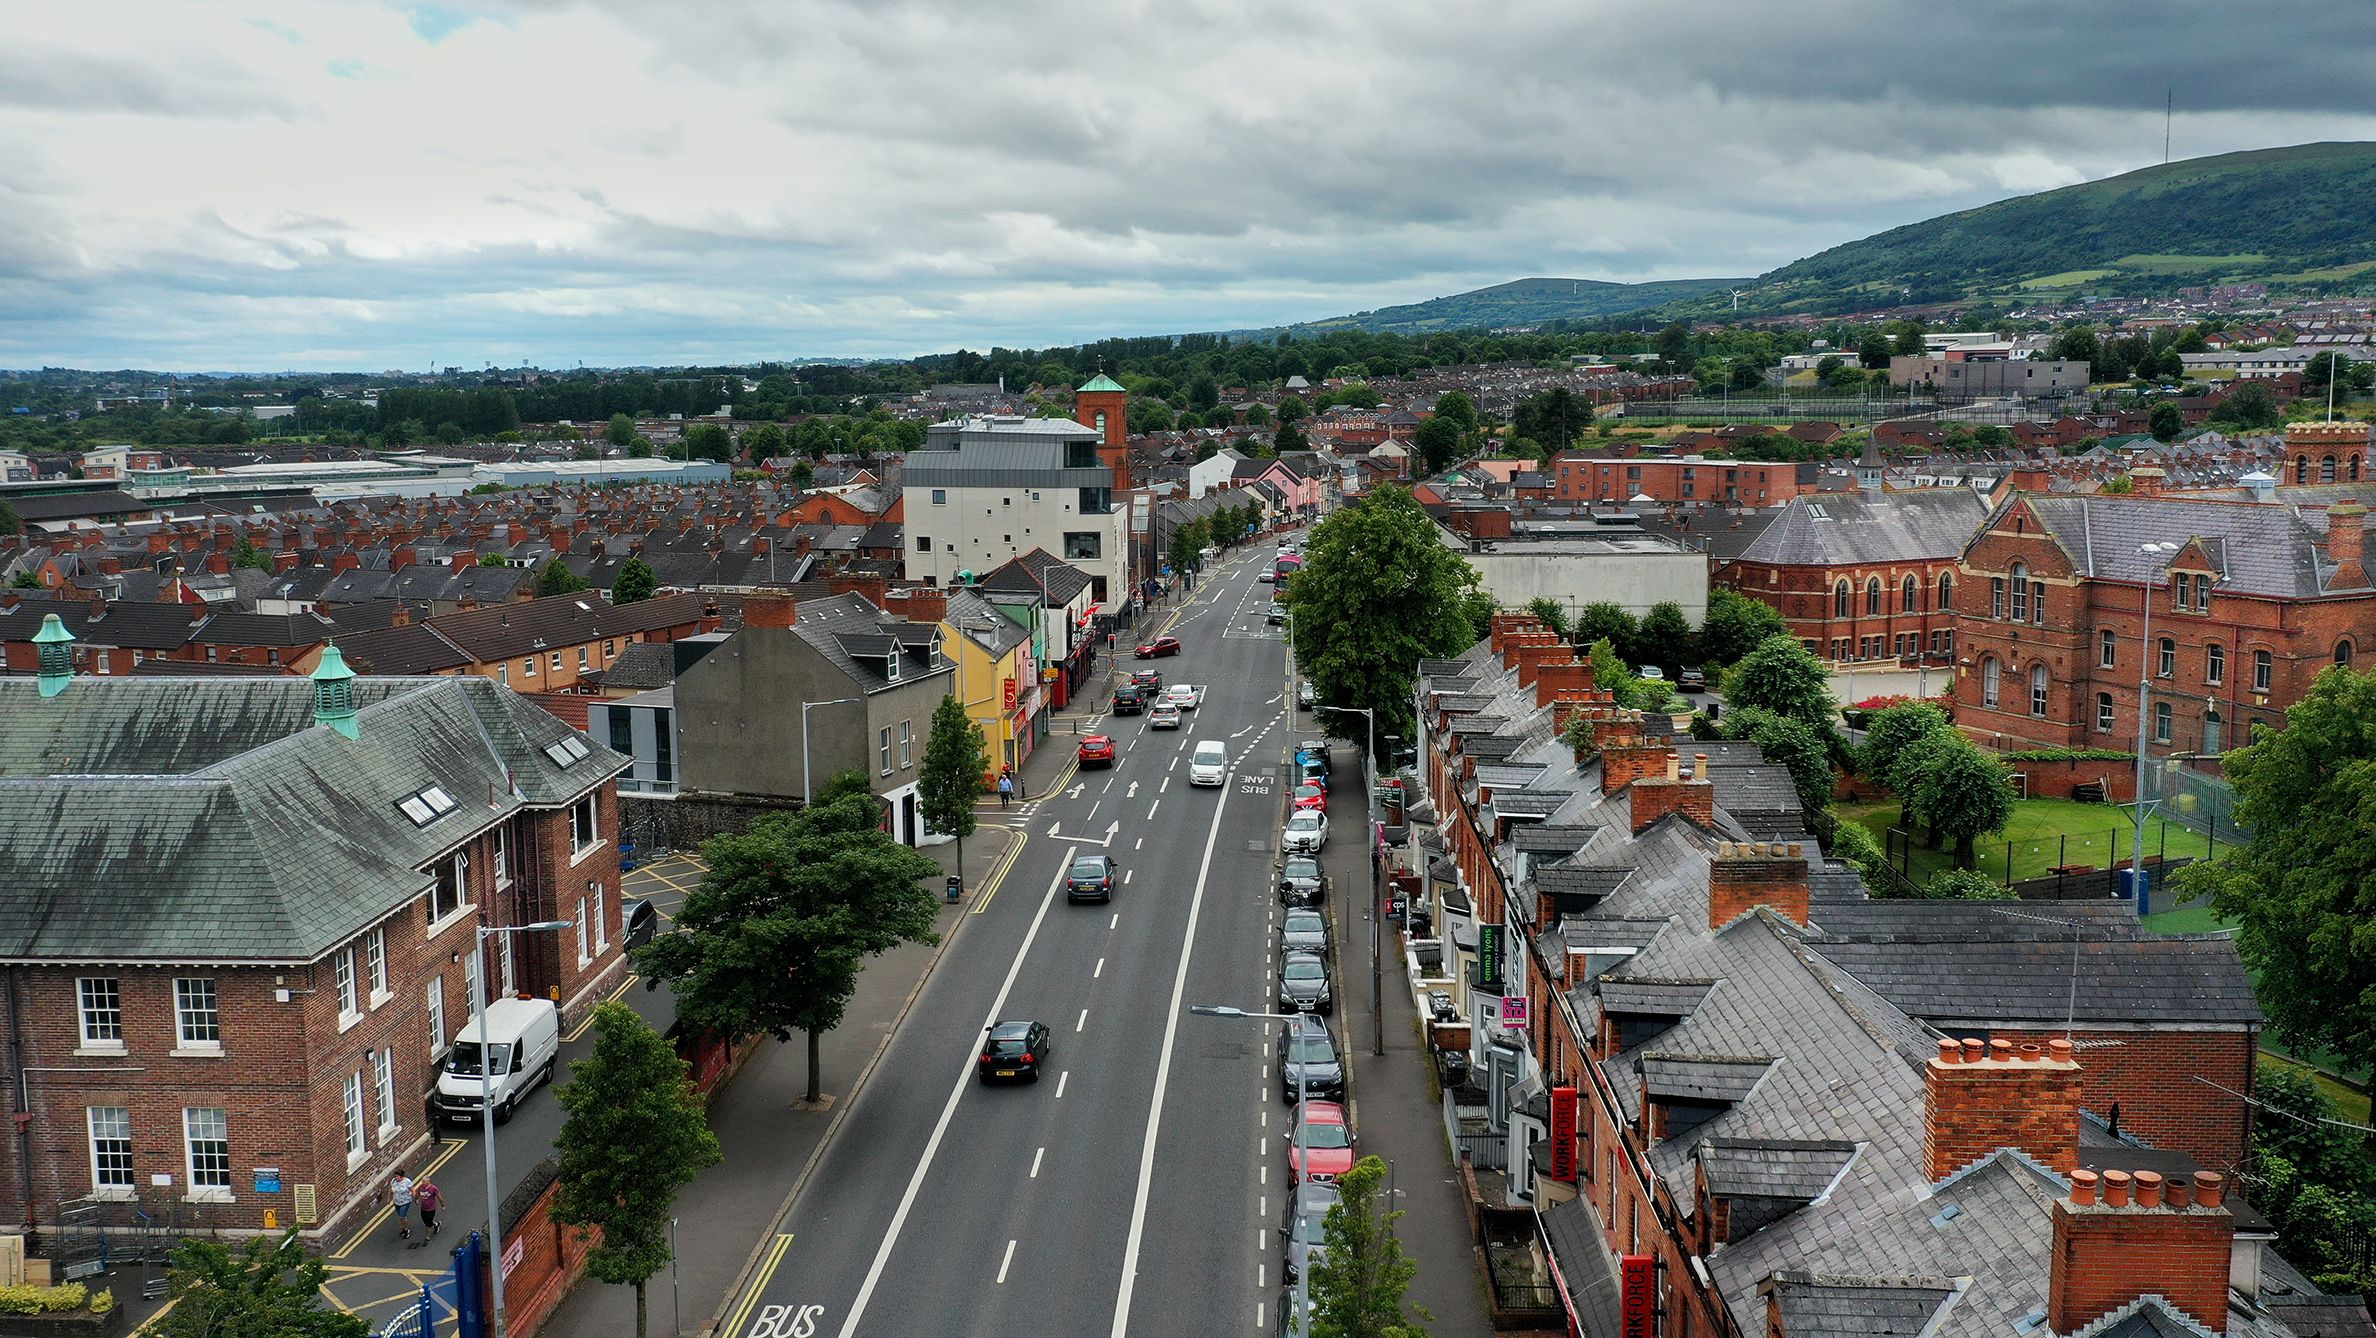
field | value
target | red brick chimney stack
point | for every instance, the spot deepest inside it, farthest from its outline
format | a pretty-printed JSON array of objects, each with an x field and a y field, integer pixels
[
  {"x": 1982, "y": 1096},
  {"x": 1748, "y": 874},
  {"x": 1693, "y": 796},
  {"x": 2347, "y": 539},
  {"x": 2140, "y": 1235},
  {"x": 769, "y": 610},
  {"x": 2146, "y": 481}
]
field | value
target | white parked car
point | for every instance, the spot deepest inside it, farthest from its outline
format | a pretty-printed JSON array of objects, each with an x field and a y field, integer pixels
[
  {"x": 1306, "y": 833},
  {"x": 1185, "y": 696}
]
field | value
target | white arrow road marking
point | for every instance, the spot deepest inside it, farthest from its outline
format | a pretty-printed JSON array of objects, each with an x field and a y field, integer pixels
[
  {"x": 1132, "y": 792},
  {"x": 1075, "y": 791}
]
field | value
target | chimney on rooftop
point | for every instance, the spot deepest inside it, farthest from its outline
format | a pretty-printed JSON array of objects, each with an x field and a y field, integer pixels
[
  {"x": 2146, "y": 481},
  {"x": 1693, "y": 796},
  {"x": 1555, "y": 677},
  {"x": 769, "y": 610},
  {"x": 2122, "y": 1235},
  {"x": 1748, "y": 874},
  {"x": 1980, "y": 1096},
  {"x": 2347, "y": 539}
]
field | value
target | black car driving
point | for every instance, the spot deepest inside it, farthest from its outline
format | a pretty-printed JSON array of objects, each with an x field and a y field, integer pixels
[
  {"x": 1130, "y": 699},
  {"x": 1091, "y": 878},
  {"x": 1013, "y": 1051}
]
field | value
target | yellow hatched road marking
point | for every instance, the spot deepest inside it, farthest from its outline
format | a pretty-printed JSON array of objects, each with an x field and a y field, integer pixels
[{"x": 377, "y": 1219}]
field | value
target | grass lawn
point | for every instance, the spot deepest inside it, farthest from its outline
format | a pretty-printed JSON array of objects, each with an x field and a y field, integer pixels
[
  {"x": 2044, "y": 833},
  {"x": 2350, "y": 1102}
]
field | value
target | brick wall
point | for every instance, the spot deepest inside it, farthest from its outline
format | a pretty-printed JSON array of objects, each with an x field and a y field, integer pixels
[
  {"x": 2151, "y": 1074},
  {"x": 1981, "y": 1097},
  {"x": 1806, "y": 598},
  {"x": 1748, "y": 874},
  {"x": 2112, "y": 1248}
]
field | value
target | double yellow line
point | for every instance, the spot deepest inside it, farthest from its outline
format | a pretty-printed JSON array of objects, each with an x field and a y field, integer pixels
[
  {"x": 766, "y": 1274},
  {"x": 998, "y": 875},
  {"x": 363, "y": 1233}
]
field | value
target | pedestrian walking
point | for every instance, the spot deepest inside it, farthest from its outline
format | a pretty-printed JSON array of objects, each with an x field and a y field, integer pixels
[
  {"x": 429, "y": 1117},
  {"x": 431, "y": 1198},
  {"x": 1006, "y": 790},
  {"x": 400, "y": 1193}
]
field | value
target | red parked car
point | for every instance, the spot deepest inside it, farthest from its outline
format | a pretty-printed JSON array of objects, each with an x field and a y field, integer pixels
[
  {"x": 1162, "y": 645},
  {"x": 1328, "y": 1142},
  {"x": 1097, "y": 750},
  {"x": 1311, "y": 796}
]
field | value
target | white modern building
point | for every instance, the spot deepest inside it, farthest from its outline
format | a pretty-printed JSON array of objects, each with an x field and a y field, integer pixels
[{"x": 984, "y": 490}]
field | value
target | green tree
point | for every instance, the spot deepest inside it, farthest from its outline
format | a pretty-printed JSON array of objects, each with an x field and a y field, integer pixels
[
  {"x": 636, "y": 581},
  {"x": 1602, "y": 621},
  {"x": 956, "y": 756},
  {"x": 708, "y": 441},
  {"x": 245, "y": 554},
  {"x": 764, "y": 442},
  {"x": 1735, "y": 625},
  {"x": 634, "y": 1134},
  {"x": 267, "y": 1286},
  {"x": 1554, "y": 417},
  {"x": 1458, "y": 408},
  {"x": 773, "y": 938},
  {"x": 1674, "y": 349},
  {"x": 1909, "y": 342},
  {"x": 1793, "y": 745},
  {"x": 1852, "y": 844},
  {"x": 1873, "y": 351},
  {"x": 1187, "y": 547},
  {"x": 621, "y": 430},
  {"x": 1957, "y": 791},
  {"x": 1782, "y": 677},
  {"x": 1611, "y": 674},
  {"x": 2302, "y": 891},
  {"x": 1438, "y": 442},
  {"x": 640, "y": 448},
  {"x": 1292, "y": 410},
  {"x": 25, "y": 580},
  {"x": 2250, "y": 405},
  {"x": 1664, "y": 638},
  {"x": 2165, "y": 422},
  {"x": 1888, "y": 734},
  {"x": 555, "y": 578},
  {"x": 1964, "y": 885},
  {"x": 1378, "y": 593},
  {"x": 1553, "y": 614},
  {"x": 1358, "y": 1290},
  {"x": 1289, "y": 437},
  {"x": 493, "y": 560},
  {"x": 9, "y": 523},
  {"x": 587, "y": 450}
]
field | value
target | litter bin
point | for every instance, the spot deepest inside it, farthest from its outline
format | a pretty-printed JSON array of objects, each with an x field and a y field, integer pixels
[{"x": 956, "y": 888}]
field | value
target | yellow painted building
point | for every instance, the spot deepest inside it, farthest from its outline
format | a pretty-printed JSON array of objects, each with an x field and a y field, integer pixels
[{"x": 998, "y": 674}]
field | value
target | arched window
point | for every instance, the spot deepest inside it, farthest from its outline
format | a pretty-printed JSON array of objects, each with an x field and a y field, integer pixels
[
  {"x": 1842, "y": 601},
  {"x": 2326, "y": 470},
  {"x": 1910, "y": 597},
  {"x": 2264, "y": 670},
  {"x": 2215, "y": 664},
  {"x": 2103, "y": 713},
  {"x": 2343, "y": 652},
  {"x": 2161, "y": 722},
  {"x": 2167, "y": 659},
  {"x": 2020, "y": 593},
  {"x": 2301, "y": 469},
  {"x": 1988, "y": 681},
  {"x": 1946, "y": 591},
  {"x": 2038, "y": 690},
  {"x": 1873, "y": 595},
  {"x": 2352, "y": 468},
  {"x": 2214, "y": 731}
]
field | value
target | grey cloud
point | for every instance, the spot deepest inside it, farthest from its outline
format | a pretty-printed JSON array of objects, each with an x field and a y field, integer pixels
[{"x": 46, "y": 80}]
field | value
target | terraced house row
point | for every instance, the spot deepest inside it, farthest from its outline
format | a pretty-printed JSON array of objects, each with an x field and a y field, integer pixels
[{"x": 1723, "y": 1090}]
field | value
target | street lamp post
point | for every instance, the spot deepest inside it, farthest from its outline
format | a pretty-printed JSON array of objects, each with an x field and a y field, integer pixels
[
  {"x": 1303, "y": 1161},
  {"x": 1369, "y": 851},
  {"x": 478, "y": 1005},
  {"x": 806, "y": 792}
]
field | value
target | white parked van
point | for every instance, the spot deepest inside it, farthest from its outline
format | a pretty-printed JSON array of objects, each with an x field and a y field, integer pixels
[
  {"x": 523, "y": 1035},
  {"x": 1209, "y": 765}
]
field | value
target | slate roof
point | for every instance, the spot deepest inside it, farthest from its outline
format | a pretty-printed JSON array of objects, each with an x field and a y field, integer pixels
[
  {"x": 1701, "y": 1077},
  {"x": 123, "y": 624},
  {"x": 642, "y": 665},
  {"x": 859, "y": 640},
  {"x": 1641, "y": 997},
  {"x": 2269, "y": 550},
  {"x": 210, "y": 819},
  {"x": 979, "y": 620},
  {"x": 1838, "y": 528},
  {"x": 2187, "y": 980},
  {"x": 1037, "y": 572},
  {"x": 1773, "y": 1168},
  {"x": 1820, "y": 1307}
]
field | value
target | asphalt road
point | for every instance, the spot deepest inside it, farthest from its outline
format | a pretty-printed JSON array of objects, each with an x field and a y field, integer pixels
[{"x": 1134, "y": 1188}]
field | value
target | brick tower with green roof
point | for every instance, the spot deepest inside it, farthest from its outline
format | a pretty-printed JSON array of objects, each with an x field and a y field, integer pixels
[{"x": 1104, "y": 405}]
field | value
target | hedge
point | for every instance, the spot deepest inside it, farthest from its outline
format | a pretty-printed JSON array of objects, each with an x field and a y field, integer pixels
[
  {"x": 43, "y": 1300},
  {"x": 2068, "y": 755}
]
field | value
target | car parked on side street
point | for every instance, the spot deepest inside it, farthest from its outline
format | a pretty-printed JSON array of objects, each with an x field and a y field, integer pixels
[
  {"x": 1327, "y": 1139},
  {"x": 1304, "y": 984},
  {"x": 1306, "y": 696},
  {"x": 1300, "y": 881},
  {"x": 1310, "y": 771},
  {"x": 1163, "y": 715},
  {"x": 1014, "y": 1052},
  {"x": 1306, "y": 1049},
  {"x": 1162, "y": 645},
  {"x": 1311, "y": 796},
  {"x": 1692, "y": 680},
  {"x": 1301, "y": 1228},
  {"x": 1304, "y": 931},
  {"x": 1097, "y": 750},
  {"x": 1277, "y": 617},
  {"x": 638, "y": 921},
  {"x": 1091, "y": 878},
  {"x": 1306, "y": 834}
]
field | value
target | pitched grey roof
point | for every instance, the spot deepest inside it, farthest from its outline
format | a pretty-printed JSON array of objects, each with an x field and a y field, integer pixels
[
  {"x": 2268, "y": 550},
  {"x": 2170, "y": 981},
  {"x": 642, "y": 665},
  {"x": 1824, "y": 1307},
  {"x": 1835, "y": 528},
  {"x": 1701, "y": 1077},
  {"x": 210, "y": 819},
  {"x": 1773, "y": 1168},
  {"x": 859, "y": 640},
  {"x": 1637, "y": 997}
]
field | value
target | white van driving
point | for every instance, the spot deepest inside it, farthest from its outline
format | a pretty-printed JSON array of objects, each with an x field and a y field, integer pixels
[
  {"x": 524, "y": 1038},
  {"x": 1209, "y": 765}
]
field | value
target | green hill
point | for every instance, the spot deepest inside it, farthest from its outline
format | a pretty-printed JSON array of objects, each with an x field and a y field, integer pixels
[
  {"x": 1523, "y": 302},
  {"x": 2295, "y": 218}
]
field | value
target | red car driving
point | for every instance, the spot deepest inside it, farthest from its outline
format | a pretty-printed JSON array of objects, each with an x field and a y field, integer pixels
[
  {"x": 1097, "y": 751},
  {"x": 1162, "y": 645},
  {"x": 1328, "y": 1143}
]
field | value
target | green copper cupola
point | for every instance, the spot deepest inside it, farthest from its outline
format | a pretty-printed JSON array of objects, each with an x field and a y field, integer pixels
[
  {"x": 334, "y": 693},
  {"x": 56, "y": 647}
]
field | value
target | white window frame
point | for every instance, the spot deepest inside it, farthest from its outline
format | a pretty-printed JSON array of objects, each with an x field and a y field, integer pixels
[
  {"x": 434, "y": 997},
  {"x": 357, "y": 1151},
  {"x": 502, "y": 846},
  {"x": 510, "y": 969},
  {"x": 2163, "y": 721},
  {"x": 585, "y": 828},
  {"x": 585, "y": 940},
  {"x": 375, "y": 960},
  {"x": 883, "y": 748},
  {"x": 97, "y": 1017},
  {"x": 119, "y": 1131},
  {"x": 350, "y": 997},
  {"x": 601, "y": 922},
  {"x": 907, "y": 744},
  {"x": 2107, "y": 649},
  {"x": 197, "y": 1008},
  {"x": 2264, "y": 670},
  {"x": 218, "y": 1128},
  {"x": 383, "y": 1079},
  {"x": 2104, "y": 710},
  {"x": 2214, "y": 664}
]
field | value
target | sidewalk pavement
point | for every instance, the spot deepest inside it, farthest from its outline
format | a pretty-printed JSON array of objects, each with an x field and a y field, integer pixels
[
  {"x": 769, "y": 1144},
  {"x": 1397, "y": 1111}
]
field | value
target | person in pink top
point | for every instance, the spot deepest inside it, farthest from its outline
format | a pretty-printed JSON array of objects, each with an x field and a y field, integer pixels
[{"x": 428, "y": 1199}]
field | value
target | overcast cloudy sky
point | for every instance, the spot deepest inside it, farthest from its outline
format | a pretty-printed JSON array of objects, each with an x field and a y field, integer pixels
[{"x": 344, "y": 185}]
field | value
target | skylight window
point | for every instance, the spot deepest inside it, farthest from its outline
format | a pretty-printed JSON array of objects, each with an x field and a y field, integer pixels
[
  {"x": 567, "y": 750},
  {"x": 426, "y": 806}
]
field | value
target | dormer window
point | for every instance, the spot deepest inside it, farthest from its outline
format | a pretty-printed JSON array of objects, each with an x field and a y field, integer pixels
[{"x": 891, "y": 666}]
